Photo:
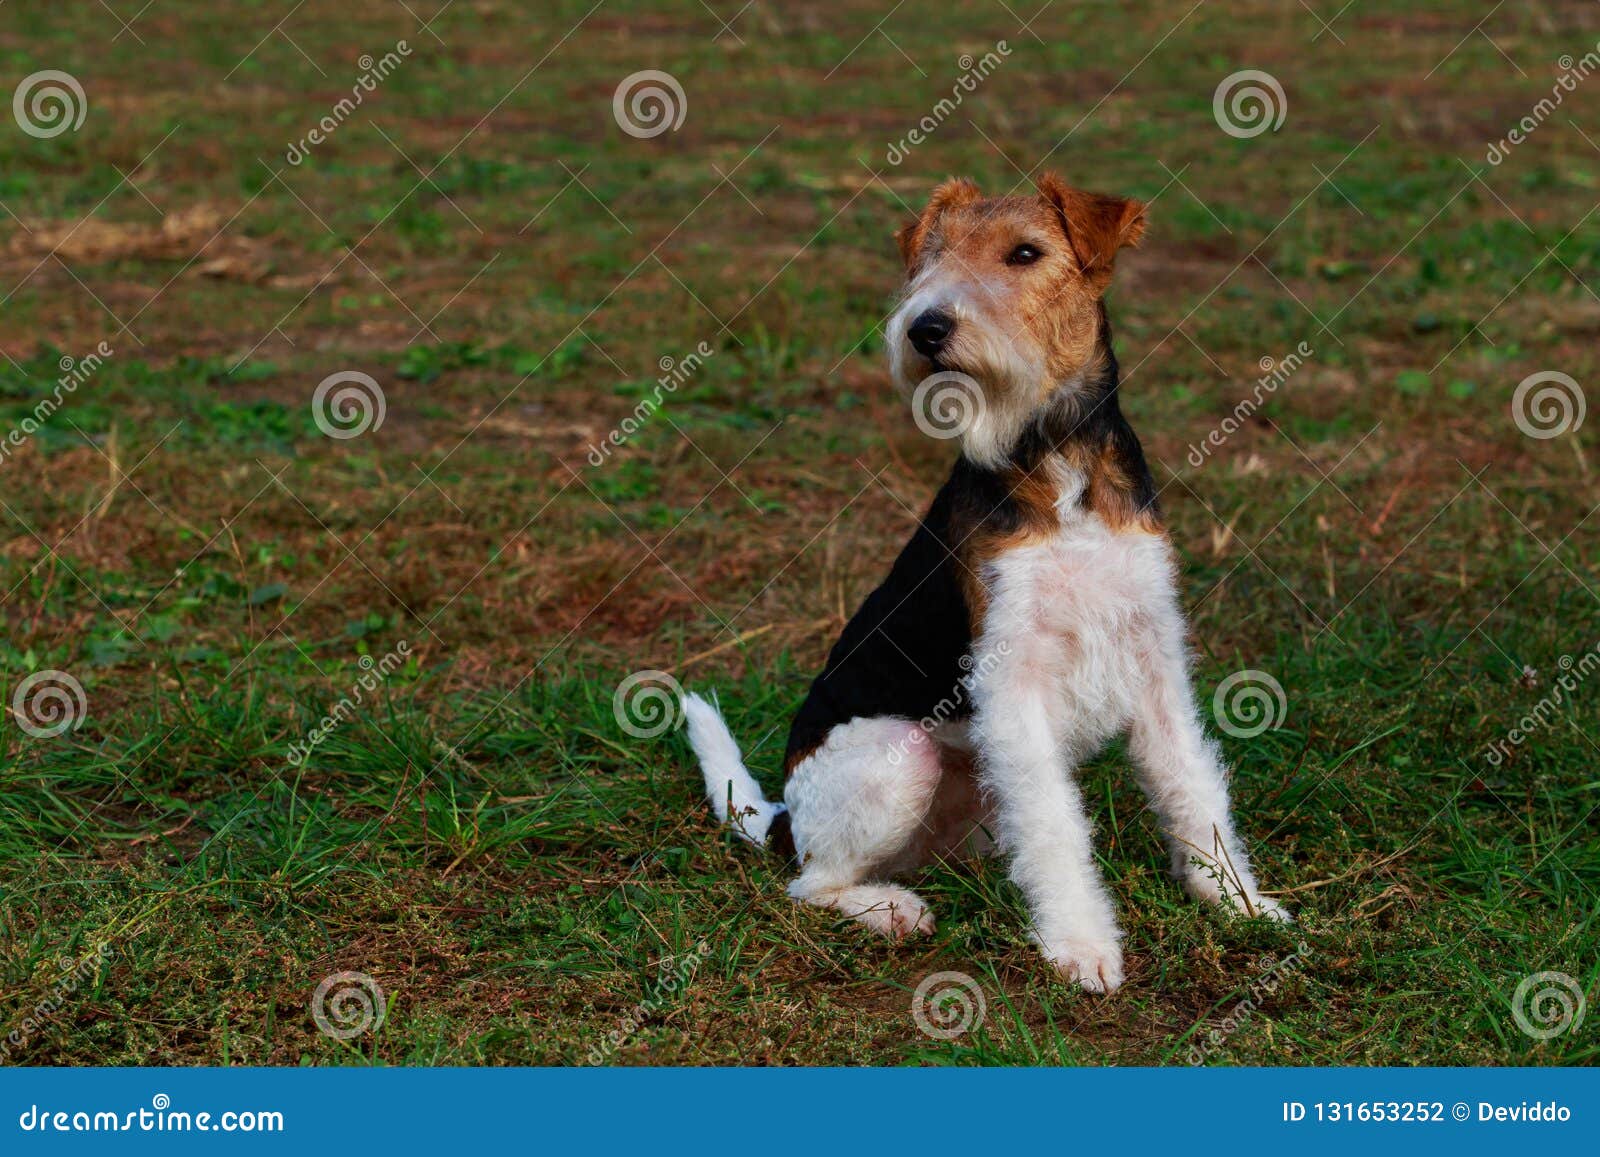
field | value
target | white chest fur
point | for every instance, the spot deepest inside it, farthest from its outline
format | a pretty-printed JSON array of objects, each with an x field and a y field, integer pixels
[{"x": 1080, "y": 616}]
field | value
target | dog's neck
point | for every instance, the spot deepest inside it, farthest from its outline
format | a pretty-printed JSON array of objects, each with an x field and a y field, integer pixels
[{"x": 1080, "y": 431}]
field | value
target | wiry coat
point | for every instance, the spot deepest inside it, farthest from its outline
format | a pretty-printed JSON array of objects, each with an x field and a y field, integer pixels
[{"x": 1032, "y": 616}]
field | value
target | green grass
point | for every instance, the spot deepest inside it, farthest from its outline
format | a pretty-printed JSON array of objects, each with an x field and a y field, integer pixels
[{"x": 482, "y": 837}]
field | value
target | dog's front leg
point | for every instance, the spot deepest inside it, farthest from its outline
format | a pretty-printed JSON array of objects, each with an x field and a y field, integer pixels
[
  {"x": 1182, "y": 771},
  {"x": 1042, "y": 826}
]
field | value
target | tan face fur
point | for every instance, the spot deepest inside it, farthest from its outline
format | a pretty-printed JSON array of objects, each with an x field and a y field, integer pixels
[{"x": 1019, "y": 281}]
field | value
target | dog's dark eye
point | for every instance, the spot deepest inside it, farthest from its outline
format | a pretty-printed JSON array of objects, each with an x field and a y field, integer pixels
[{"x": 1023, "y": 255}]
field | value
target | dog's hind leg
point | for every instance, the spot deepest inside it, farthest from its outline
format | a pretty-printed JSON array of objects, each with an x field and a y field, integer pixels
[{"x": 858, "y": 805}]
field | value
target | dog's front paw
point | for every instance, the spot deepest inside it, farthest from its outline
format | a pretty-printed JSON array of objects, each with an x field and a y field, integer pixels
[
  {"x": 1093, "y": 965},
  {"x": 1213, "y": 888},
  {"x": 1269, "y": 909},
  {"x": 1251, "y": 905}
]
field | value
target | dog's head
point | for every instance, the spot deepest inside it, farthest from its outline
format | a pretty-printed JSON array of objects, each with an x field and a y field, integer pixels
[{"x": 1002, "y": 297}]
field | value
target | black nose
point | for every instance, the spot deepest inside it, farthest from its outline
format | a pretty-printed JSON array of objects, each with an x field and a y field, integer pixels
[{"x": 929, "y": 332}]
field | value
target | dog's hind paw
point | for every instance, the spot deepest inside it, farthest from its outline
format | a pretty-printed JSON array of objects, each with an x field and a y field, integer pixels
[{"x": 893, "y": 912}]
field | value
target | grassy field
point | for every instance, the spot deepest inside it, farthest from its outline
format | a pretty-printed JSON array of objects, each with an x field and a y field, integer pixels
[{"x": 526, "y": 879}]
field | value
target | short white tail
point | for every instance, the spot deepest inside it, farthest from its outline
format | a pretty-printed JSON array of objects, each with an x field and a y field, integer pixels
[{"x": 735, "y": 795}]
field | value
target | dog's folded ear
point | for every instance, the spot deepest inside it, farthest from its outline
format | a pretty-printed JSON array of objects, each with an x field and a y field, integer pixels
[
  {"x": 952, "y": 194},
  {"x": 1097, "y": 226}
]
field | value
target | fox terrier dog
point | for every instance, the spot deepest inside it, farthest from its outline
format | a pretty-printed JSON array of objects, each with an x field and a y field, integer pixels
[{"x": 1033, "y": 615}]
